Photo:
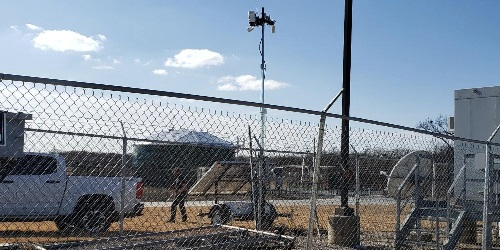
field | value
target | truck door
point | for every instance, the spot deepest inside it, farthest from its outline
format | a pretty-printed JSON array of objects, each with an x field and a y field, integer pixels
[
  {"x": 7, "y": 196},
  {"x": 37, "y": 185}
]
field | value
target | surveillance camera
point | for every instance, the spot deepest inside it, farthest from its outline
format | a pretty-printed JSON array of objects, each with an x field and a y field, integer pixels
[
  {"x": 273, "y": 29},
  {"x": 250, "y": 28},
  {"x": 252, "y": 18}
]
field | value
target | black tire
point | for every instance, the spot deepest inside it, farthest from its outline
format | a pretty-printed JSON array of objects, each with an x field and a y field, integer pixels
[
  {"x": 269, "y": 217},
  {"x": 63, "y": 225},
  {"x": 94, "y": 216},
  {"x": 221, "y": 216},
  {"x": 267, "y": 223}
]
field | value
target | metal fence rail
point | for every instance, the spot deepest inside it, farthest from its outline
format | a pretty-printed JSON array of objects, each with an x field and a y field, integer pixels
[{"x": 104, "y": 164}]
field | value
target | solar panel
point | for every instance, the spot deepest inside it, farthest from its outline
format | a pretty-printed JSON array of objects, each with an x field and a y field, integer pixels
[{"x": 224, "y": 177}]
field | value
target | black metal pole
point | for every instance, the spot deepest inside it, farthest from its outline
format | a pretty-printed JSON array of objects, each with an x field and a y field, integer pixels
[
  {"x": 346, "y": 99},
  {"x": 261, "y": 173}
]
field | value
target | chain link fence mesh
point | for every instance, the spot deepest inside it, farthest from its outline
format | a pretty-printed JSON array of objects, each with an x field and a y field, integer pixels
[{"x": 111, "y": 169}]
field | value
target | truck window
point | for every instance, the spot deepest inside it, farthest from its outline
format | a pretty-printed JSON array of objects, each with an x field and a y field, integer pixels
[
  {"x": 34, "y": 165},
  {"x": 6, "y": 166}
]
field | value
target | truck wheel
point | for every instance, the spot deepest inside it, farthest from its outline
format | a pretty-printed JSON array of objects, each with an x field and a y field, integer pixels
[
  {"x": 94, "y": 216},
  {"x": 270, "y": 215},
  {"x": 221, "y": 215},
  {"x": 63, "y": 225},
  {"x": 267, "y": 223}
]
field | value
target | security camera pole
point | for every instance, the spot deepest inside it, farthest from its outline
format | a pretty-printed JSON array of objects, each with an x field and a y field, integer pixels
[{"x": 254, "y": 21}]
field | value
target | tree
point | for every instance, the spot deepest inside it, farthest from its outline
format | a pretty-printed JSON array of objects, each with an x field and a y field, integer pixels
[{"x": 436, "y": 125}]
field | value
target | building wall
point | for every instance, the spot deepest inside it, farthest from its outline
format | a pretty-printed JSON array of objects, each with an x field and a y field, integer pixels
[
  {"x": 12, "y": 133},
  {"x": 476, "y": 117}
]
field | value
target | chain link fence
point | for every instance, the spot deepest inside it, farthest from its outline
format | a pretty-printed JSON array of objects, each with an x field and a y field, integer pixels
[{"x": 90, "y": 166}]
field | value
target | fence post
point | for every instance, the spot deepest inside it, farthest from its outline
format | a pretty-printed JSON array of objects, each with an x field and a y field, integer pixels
[
  {"x": 357, "y": 195},
  {"x": 312, "y": 209},
  {"x": 418, "y": 196},
  {"x": 357, "y": 191},
  {"x": 398, "y": 220},
  {"x": 122, "y": 180},
  {"x": 321, "y": 132},
  {"x": 252, "y": 178},
  {"x": 435, "y": 195},
  {"x": 486, "y": 237}
]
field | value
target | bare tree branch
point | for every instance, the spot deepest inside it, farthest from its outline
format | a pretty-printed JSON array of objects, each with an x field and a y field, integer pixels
[{"x": 436, "y": 125}]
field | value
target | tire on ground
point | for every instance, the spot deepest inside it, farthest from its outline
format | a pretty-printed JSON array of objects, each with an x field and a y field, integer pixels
[
  {"x": 220, "y": 215},
  {"x": 269, "y": 216},
  {"x": 63, "y": 224},
  {"x": 93, "y": 214}
]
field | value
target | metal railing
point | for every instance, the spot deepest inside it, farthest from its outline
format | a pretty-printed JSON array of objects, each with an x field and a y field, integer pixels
[
  {"x": 399, "y": 208},
  {"x": 449, "y": 207}
]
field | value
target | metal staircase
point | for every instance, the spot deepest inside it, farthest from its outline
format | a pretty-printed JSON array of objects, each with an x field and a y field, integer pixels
[
  {"x": 427, "y": 226},
  {"x": 434, "y": 221}
]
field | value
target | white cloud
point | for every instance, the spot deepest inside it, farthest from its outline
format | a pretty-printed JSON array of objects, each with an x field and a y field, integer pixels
[
  {"x": 87, "y": 57},
  {"x": 64, "y": 40},
  {"x": 195, "y": 58},
  {"x": 103, "y": 66},
  {"x": 227, "y": 87},
  {"x": 102, "y": 37},
  {"x": 15, "y": 28},
  {"x": 247, "y": 82},
  {"x": 160, "y": 72},
  {"x": 33, "y": 27},
  {"x": 139, "y": 61},
  {"x": 99, "y": 63}
]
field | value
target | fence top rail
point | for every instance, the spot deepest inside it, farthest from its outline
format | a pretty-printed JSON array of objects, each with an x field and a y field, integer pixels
[{"x": 132, "y": 90}]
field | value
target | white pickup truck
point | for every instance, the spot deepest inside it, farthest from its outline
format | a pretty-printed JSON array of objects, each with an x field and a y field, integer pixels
[{"x": 36, "y": 187}]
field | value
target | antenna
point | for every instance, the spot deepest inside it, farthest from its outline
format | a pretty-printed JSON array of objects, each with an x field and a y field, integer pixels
[
  {"x": 254, "y": 21},
  {"x": 402, "y": 169}
]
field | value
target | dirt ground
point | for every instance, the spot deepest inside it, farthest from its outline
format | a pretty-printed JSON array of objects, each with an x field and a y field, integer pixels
[
  {"x": 374, "y": 219},
  {"x": 377, "y": 224}
]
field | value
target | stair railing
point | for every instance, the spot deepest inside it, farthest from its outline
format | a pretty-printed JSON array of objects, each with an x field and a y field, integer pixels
[
  {"x": 399, "y": 209},
  {"x": 463, "y": 192}
]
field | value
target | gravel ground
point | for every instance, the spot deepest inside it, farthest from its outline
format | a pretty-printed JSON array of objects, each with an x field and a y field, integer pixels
[{"x": 210, "y": 237}]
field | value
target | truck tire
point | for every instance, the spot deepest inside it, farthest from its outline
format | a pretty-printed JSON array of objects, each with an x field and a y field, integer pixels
[
  {"x": 220, "y": 215},
  {"x": 270, "y": 215},
  {"x": 63, "y": 224},
  {"x": 94, "y": 215},
  {"x": 267, "y": 223}
]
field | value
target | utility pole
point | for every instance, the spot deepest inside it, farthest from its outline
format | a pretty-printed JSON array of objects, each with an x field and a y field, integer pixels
[
  {"x": 346, "y": 100},
  {"x": 344, "y": 222}
]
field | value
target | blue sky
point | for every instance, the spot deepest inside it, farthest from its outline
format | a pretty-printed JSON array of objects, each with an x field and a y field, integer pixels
[{"x": 407, "y": 56}]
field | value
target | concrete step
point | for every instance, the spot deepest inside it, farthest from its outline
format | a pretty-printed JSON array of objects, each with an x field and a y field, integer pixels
[
  {"x": 433, "y": 218},
  {"x": 441, "y": 213},
  {"x": 428, "y": 231},
  {"x": 421, "y": 243}
]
